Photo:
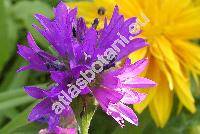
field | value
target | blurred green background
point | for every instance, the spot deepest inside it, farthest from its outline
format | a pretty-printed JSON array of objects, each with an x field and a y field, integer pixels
[{"x": 16, "y": 18}]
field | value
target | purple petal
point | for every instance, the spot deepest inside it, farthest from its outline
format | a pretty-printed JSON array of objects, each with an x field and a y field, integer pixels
[
  {"x": 109, "y": 81},
  {"x": 40, "y": 110},
  {"x": 61, "y": 12},
  {"x": 138, "y": 82},
  {"x": 134, "y": 45},
  {"x": 28, "y": 54},
  {"x": 105, "y": 96},
  {"x": 59, "y": 77},
  {"x": 130, "y": 71},
  {"x": 54, "y": 121},
  {"x": 44, "y": 21},
  {"x": 125, "y": 28},
  {"x": 60, "y": 130},
  {"x": 24, "y": 68},
  {"x": 84, "y": 53},
  {"x": 85, "y": 91},
  {"x": 68, "y": 112},
  {"x": 35, "y": 92},
  {"x": 59, "y": 31},
  {"x": 120, "y": 112},
  {"x": 128, "y": 114},
  {"x": 128, "y": 62},
  {"x": 132, "y": 97},
  {"x": 90, "y": 41},
  {"x": 54, "y": 91},
  {"x": 32, "y": 43},
  {"x": 47, "y": 56},
  {"x": 114, "y": 112},
  {"x": 80, "y": 29},
  {"x": 109, "y": 34}
]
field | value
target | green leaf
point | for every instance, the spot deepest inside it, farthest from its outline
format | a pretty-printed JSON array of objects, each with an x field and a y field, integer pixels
[
  {"x": 11, "y": 94},
  {"x": 9, "y": 75},
  {"x": 97, "y": 127},
  {"x": 84, "y": 108},
  {"x": 53, "y": 3},
  {"x": 13, "y": 80},
  {"x": 184, "y": 123},
  {"x": 15, "y": 98},
  {"x": 24, "y": 12},
  {"x": 144, "y": 119},
  {"x": 31, "y": 128},
  {"x": 7, "y": 33},
  {"x": 19, "y": 79},
  {"x": 11, "y": 113},
  {"x": 17, "y": 122},
  {"x": 15, "y": 102}
]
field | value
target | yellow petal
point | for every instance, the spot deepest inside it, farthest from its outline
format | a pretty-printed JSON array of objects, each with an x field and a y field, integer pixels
[
  {"x": 197, "y": 2},
  {"x": 129, "y": 8},
  {"x": 186, "y": 25},
  {"x": 89, "y": 10},
  {"x": 167, "y": 73},
  {"x": 160, "y": 61},
  {"x": 169, "y": 56},
  {"x": 188, "y": 54},
  {"x": 179, "y": 109},
  {"x": 155, "y": 76},
  {"x": 137, "y": 55},
  {"x": 197, "y": 82},
  {"x": 171, "y": 9},
  {"x": 183, "y": 92},
  {"x": 161, "y": 104},
  {"x": 151, "y": 9},
  {"x": 189, "y": 30}
]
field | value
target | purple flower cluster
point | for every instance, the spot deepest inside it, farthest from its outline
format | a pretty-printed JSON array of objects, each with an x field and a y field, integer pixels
[{"x": 77, "y": 47}]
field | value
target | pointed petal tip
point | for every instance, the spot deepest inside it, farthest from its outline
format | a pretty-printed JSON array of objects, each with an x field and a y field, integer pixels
[
  {"x": 29, "y": 34},
  {"x": 35, "y": 26},
  {"x": 19, "y": 46},
  {"x": 27, "y": 89},
  {"x": 75, "y": 8},
  {"x": 24, "y": 68},
  {"x": 30, "y": 118},
  {"x": 38, "y": 16},
  {"x": 61, "y": 3},
  {"x": 19, "y": 70},
  {"x": 144, "y": 60},
  {"x": 136, "y": 123},
  {"x": 35, "y": 92},
  {"x": 122, "y": 125},
  {"x": 116, "y": 8}
]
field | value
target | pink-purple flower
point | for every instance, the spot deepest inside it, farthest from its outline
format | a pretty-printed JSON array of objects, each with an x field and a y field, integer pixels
[
  {"x": 77, "y": 47},
  {"x": 116, "y": 91}
]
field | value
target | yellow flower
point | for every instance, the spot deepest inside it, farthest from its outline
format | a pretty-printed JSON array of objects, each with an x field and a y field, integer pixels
[
  {"x": 197, "y": 2},
  {"x": 89, "y": 10},
  {"x": 173, "y": 57}
]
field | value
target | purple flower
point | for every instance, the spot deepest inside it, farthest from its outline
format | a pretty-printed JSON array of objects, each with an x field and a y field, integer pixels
[
  {"x": 115, "y": 90},
  {"x": 59, "y": 31},
  {"x": 60, "y": 130},
  {"x": 42, "y": 112},
  {"x": 66, "y": 131},
  {"x": 39, "y": 60},
  {"x": 78, "y": 47}
]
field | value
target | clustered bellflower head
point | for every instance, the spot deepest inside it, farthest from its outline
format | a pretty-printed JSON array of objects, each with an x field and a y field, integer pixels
[
  {"x": 172, "y": 55},
  {"x": 78, "y": 47}
]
